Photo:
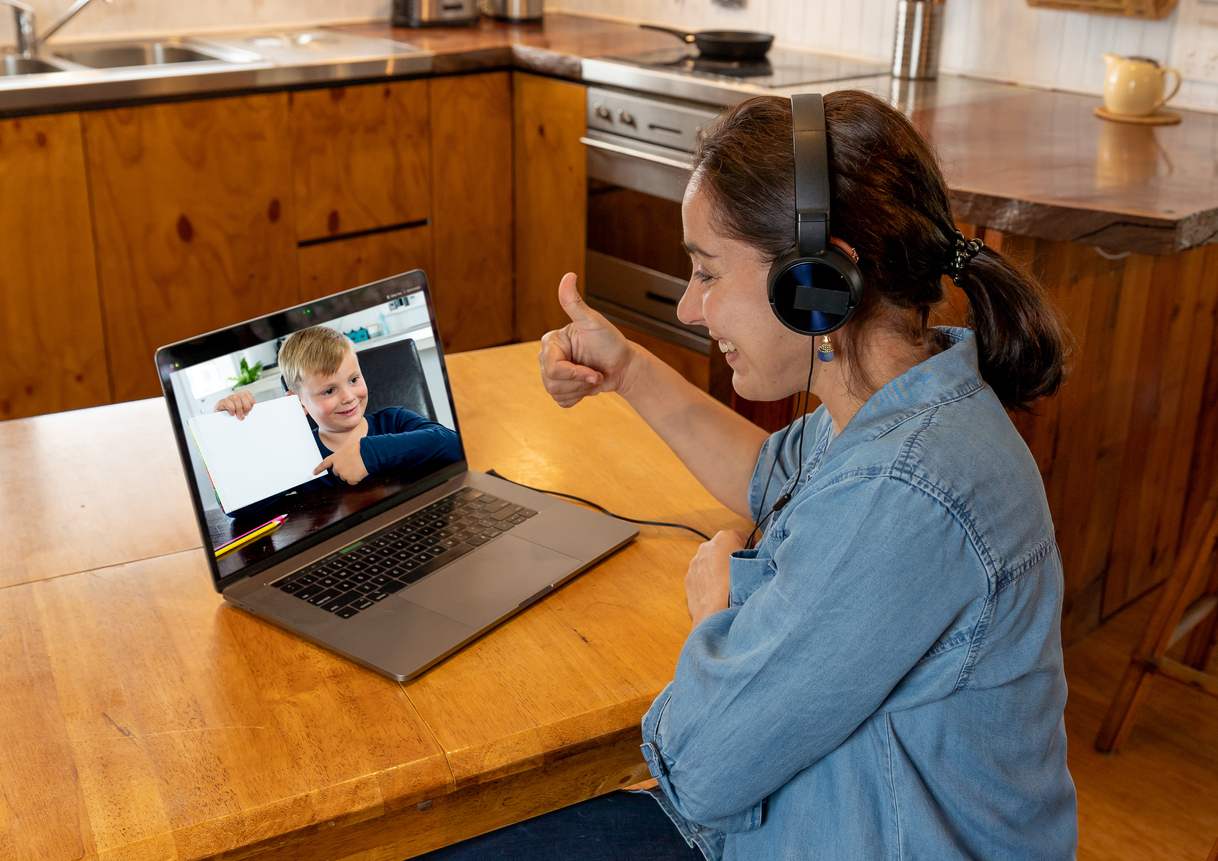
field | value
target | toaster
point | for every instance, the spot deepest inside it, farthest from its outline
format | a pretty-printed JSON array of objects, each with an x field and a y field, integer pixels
[{"x": 434, "y": 13}]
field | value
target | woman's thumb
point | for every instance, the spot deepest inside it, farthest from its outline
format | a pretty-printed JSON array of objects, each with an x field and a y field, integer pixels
[{"x": 571, "y": 301}]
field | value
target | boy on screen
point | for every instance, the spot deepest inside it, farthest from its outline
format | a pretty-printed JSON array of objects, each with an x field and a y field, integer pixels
[{"x": 319, "y": 365}]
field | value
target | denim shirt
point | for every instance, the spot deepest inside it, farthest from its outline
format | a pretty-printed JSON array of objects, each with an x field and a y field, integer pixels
[{"x": 887, "y": 682}]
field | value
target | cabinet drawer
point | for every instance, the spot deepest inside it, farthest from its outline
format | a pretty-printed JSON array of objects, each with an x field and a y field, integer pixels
[
  {"x": 360, "y": 158},
  {"x": 329, "y": 267}
]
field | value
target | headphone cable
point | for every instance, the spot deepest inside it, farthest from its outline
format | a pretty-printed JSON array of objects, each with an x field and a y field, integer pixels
[
  {"x": 758, "y": 520},
  {"x": 601, "y": 508},
  {"x": 803, "y": 415}
]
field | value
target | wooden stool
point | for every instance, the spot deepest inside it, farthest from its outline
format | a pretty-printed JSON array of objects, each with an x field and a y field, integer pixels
[{"x": 1179, "y": 611}]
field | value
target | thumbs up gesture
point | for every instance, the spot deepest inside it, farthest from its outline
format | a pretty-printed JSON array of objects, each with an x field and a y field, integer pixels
[{"x": 585, "y": 357}]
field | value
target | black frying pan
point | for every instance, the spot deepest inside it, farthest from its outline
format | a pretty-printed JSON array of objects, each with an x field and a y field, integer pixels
[{"x": 724, "y": 44}]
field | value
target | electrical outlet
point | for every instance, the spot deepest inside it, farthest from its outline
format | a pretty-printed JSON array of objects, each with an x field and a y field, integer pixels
[
  {"x": 1197, "y": 62},
  {"x": 1196, "y": 32}
]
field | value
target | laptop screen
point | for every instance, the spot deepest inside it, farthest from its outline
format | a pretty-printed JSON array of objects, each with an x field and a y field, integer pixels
[{"x": 347, "y": 412}]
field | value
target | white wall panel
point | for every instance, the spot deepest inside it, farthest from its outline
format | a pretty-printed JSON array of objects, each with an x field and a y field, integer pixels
[{"x": 1002, "y": 39}]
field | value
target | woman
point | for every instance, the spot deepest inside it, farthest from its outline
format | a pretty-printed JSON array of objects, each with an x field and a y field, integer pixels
[{"x": 880, "y": 676}]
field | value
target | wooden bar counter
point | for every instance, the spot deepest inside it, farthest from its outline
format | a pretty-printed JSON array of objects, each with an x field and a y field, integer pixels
[{"x": 144, "y": 718}]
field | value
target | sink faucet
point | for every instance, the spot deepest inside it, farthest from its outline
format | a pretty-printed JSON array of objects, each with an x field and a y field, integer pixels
[
  {"x": 28, "y": 43},
  {"x": 24, "y": 16}
]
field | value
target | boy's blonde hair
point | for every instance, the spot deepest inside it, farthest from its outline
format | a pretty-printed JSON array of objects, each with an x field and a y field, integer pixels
[{"x": 316, "y": 350}]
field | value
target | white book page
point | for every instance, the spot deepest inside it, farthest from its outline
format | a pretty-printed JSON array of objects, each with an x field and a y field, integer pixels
[{"x": 269, "y": 452}]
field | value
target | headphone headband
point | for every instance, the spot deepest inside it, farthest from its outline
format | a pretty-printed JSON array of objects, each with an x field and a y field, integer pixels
[
  {"x": 811, "y": 173},
  {"x": 816, "y": 288}
]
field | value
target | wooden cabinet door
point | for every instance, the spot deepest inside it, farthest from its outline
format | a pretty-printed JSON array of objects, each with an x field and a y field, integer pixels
[
  {"x": 471, "y": 281},
  {"x": 360, "y": 158},
  {"x": 192, "y": 207},
  {"x": 328, "y": 267},
  {"x": 551, "y": 190},
  {"x": 52, "y": 356}
]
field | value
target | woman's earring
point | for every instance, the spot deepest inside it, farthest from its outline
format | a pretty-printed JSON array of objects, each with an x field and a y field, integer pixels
[{"x": 825, "y": 351}]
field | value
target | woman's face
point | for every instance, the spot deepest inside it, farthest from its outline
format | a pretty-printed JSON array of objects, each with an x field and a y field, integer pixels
[{"x": 728, "y": 293}]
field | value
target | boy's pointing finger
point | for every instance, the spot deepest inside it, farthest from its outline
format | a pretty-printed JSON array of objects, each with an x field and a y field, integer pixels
[{"x": 324, "y": 465}]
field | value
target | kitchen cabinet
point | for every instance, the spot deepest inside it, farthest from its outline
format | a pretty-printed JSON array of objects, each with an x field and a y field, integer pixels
[
  {"x": 471, "y": 144},
  {"x": 551, "y": 189},
  {"x": 360, "y": 158},
  {"x": 193, "y": 215},
  {"x": 328, "y": 267},
  {"x": 53, "y": 354}
]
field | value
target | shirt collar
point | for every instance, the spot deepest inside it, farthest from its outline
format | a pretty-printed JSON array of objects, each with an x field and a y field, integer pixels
[{"x": 944, "y": 377}]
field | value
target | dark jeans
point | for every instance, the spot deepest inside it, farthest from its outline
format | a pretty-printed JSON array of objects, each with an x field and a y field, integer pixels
[{"x": 620, "y": 826}]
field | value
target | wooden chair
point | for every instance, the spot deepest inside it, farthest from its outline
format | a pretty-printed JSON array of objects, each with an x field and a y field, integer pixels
[{"x": 1189, "y": 599}]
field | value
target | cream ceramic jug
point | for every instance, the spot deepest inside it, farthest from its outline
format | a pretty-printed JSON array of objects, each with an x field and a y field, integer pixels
[{"x": 1134, "y": 85}]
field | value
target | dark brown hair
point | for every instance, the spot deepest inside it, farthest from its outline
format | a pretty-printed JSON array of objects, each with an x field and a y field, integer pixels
[{"x": 889, "y": 200}]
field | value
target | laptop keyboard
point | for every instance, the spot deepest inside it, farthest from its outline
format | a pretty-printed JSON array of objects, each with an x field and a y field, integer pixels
[{"x": 368, "y": 571}]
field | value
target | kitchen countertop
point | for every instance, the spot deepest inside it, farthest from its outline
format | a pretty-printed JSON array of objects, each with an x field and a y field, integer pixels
[
  {"x": 1021, "y": 160},
  {"x": 1017, "y": 159}
]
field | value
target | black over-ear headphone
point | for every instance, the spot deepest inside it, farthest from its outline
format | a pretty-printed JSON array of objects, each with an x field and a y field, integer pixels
[{"x": 816, "y": 288}]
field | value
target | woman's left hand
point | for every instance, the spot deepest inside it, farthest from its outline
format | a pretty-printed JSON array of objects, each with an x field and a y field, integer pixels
[{"x": 707, "y": 582}]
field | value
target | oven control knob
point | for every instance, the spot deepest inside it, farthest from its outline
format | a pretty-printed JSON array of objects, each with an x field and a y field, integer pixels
[
  {"x": 603, "y": 112},
  {"x": 626, "y": 117}
]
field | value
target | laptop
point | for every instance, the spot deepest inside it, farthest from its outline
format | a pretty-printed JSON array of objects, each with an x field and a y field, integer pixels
[{"x": 403, "y": 568}]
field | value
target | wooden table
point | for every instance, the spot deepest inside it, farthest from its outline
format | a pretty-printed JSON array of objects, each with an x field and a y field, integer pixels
[{"x": 144, "y": 718}]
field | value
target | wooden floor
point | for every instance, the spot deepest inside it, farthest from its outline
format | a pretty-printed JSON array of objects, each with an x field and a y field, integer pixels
[{"x": 1158, "y": 797}]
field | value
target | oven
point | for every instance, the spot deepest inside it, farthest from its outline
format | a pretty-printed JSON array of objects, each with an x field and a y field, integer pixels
[{"x": 638, "y": 157}]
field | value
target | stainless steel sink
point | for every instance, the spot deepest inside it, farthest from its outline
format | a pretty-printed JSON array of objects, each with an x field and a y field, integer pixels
[
  {"x": 17, "y": 65},
  {"x": 149, "y": 53},
  {"x": 94, "y": 72}
]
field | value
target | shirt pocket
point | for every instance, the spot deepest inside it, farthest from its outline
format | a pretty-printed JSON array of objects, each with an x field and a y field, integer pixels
[{"x": 748, "y": 572}]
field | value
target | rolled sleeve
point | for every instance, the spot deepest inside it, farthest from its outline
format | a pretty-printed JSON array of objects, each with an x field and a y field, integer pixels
[{"x": 693, "y": 827}]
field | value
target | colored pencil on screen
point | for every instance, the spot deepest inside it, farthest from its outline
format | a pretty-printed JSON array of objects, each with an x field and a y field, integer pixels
[{"x": 253, "y": 535}]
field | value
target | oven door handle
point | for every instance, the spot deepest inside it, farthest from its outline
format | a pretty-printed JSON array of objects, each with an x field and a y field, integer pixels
[{"x": 634, "y": 153}]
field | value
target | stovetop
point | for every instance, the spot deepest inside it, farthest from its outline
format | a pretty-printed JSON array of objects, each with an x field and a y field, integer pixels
[{"x": 778, "y": 70}]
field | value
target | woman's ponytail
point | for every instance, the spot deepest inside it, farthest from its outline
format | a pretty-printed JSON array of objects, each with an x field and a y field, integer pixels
[{"x": 1022, "y": 342}]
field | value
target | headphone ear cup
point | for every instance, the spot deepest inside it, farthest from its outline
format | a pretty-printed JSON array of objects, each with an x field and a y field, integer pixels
[{"x": 815, "y": 295}]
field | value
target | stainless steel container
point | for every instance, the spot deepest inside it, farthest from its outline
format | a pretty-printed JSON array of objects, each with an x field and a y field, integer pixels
[
  {"x": 513, "y": 10},
  {"x": 919, "y": 34},
  {"x": 434, "y": 13}
]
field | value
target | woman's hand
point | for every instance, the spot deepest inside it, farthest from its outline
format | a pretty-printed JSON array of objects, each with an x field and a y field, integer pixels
[
  {"x": 238, "y": 404},
  {"x": 585, "y": 357},
  {"x": 707, "y": 582}
]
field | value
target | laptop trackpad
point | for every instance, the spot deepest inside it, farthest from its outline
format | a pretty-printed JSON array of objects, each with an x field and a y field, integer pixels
[{"x": 481, "y": 587}]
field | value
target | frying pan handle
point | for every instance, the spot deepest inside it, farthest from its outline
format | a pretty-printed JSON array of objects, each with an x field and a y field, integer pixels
[{"x": 681, "y": 34}]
